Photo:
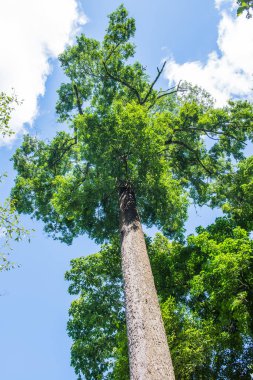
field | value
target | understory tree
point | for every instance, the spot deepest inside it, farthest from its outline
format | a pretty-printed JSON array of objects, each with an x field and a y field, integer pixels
[{"x": 134, "y": 153}]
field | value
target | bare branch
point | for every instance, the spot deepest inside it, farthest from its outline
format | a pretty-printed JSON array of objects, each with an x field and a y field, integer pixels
[
  {"x": 169, "y": 91},
  {"x": 159, "y": 72}
]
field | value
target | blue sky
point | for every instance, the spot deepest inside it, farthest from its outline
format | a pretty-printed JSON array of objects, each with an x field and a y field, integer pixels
[{"x": 202, "y": 41}]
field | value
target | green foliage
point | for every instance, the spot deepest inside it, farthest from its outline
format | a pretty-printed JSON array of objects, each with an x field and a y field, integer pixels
[
  {"x": 97, "y": 314},
  {"x": 129, "y": 132},
  {"x": 223, "y": 286},
  {"x": 234, "y": 193},
  {"x": 205, "y": 292},
  {"x": 10, "y": 228},
  {"x": 7, "y": 103},
  {"x": 245, "y": 5},
  {"x": 208, "y": 311}
]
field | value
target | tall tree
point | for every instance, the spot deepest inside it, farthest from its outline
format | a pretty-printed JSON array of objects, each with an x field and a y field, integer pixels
[
  {"x": 131, "y": 144},
  {"x": 205, "y": 293}
]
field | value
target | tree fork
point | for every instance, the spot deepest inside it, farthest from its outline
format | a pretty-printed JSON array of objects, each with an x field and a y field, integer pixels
[{"x": 149, "y": 354}]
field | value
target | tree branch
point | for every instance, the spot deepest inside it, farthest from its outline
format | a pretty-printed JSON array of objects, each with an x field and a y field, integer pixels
[
  {"x": 159, "y": 72},
  {"x": 206, "y": 131},
  {"x": 112, "y": 51},
  {"x": 78, "y": 101},
  {"x": 63, "y": 150},
  {"x": 79, "y": 106},
  {"x": 177, "y": 142},
  {"x": 126, "y": 84},
  {"x": 169, "y": 91}
]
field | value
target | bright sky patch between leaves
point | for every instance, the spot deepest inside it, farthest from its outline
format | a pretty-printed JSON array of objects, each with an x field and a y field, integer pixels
[
  {"x": 228, "y": 71},
  {"x": 31, "y": 33}
]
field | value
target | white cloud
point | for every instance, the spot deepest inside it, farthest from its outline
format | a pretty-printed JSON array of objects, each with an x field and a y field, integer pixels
[
  {"x": 32, "y": 32},
  {"x": 227, "y": 72}
]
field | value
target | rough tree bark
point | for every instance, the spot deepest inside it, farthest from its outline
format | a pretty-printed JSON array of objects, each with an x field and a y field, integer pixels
[{"x": 149, "y": 354}]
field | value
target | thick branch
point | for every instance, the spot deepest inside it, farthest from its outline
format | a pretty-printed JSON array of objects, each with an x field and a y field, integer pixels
[{"x": 78, "y": 100}]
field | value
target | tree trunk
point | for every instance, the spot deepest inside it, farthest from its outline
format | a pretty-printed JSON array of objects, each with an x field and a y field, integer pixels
[{"x": 149, "y": 354}]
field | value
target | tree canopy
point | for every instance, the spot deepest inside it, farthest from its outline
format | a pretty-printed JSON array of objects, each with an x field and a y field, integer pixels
[{"x": 125, "y": 130}]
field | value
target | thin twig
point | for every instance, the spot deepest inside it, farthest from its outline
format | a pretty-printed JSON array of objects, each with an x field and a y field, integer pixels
[
  {"x": 206, "y": 131},
  {"x": 154, "y": 82}
]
